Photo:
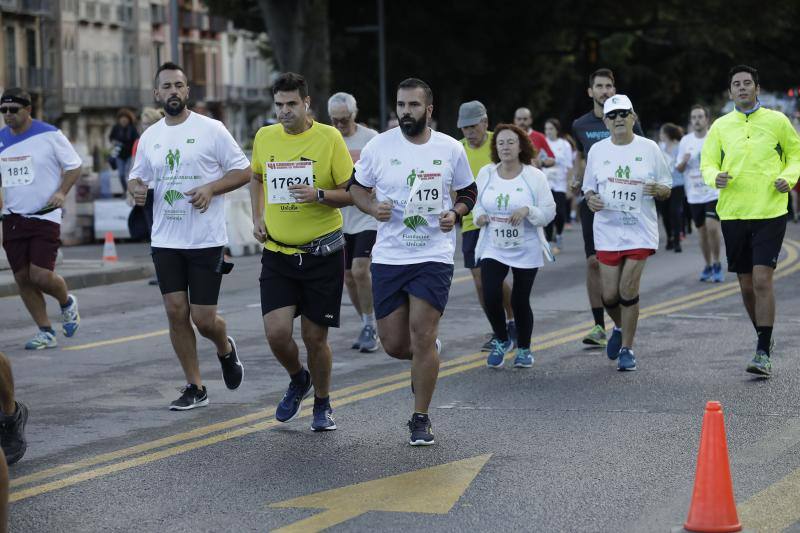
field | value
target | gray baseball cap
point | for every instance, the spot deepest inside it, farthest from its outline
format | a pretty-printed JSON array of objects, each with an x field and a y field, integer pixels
[{"x": 470, "y": 113}]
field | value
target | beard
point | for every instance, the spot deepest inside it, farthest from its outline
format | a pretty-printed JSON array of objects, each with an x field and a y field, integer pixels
[
  {"x": 411, "y": 127},
  {"x": 173, "y": 110}
]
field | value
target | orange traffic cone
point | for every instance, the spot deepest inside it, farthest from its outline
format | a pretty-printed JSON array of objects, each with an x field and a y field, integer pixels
[
  {"x": 713, "y": 508},
  {"x": 109, "y": 249}
]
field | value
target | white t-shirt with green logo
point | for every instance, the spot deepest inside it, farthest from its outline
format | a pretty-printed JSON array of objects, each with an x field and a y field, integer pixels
[
  {"x": 618, "y": 174},
  {"x": 176, "y": 159},
  {"x": 398, "y": 171},
  {"x": 516, "y": 246}
]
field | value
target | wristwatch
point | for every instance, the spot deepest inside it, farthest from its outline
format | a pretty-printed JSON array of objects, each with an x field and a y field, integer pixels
[{"x": 320, "y": 195}]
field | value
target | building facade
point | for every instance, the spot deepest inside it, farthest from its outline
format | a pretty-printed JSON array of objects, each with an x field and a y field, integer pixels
[{"x": 84, "y": 60}]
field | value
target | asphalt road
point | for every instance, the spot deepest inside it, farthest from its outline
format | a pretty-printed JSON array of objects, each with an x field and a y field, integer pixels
[{"x": 570, "y": 445}]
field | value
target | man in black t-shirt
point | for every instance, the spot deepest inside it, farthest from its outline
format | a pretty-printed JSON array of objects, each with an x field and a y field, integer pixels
[{"x": 587, "y": 130}]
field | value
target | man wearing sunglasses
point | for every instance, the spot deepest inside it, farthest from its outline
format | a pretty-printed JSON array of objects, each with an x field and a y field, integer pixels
[
  {"x": 38, "y": 167},
  {"x": 587, "y": 130},
  {"x": 624, "y": 175}
]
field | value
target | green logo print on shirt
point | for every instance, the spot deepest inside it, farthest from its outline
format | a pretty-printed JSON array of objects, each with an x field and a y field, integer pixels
[
  {"x": 172, "y": 195},
  {"x": 502, "y": 201},
  {"x": 411, "y": 177},
  {"x": 413, "y": 222},
  {"x": 624, "y": 172},
  {"x": 173, "y": 159}
]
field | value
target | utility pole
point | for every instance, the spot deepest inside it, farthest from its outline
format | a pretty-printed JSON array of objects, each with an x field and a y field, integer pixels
[
  {"x": 174, "y": 30},
  {"x": 380, "y": 30},
  {"x": 382, "y": 65}
]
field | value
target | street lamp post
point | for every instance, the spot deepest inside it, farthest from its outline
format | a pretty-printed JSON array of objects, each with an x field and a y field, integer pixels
[{"x": 380, "y": 30}]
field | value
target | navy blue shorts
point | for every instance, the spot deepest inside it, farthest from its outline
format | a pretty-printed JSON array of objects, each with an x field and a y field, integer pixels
[{"x": 391, "y": 285}]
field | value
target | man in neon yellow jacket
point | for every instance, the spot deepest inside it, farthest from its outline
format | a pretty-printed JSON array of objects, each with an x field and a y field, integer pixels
[{"x": 752, "y": 155}]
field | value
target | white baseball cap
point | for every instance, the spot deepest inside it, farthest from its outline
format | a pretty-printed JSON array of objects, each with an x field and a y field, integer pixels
[{"x": 617, "y": 102}]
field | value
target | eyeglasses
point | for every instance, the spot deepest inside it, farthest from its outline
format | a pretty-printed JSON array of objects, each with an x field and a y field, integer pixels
[
  {"x": 340, "y": 120},
  {"x": 611, "y": 115},
  {"x": 11, "y": 110}
]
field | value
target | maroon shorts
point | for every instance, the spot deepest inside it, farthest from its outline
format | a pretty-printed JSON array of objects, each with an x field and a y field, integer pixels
[
  {"x": 615, "y": 258},
  {"x": 30, "y": 241}
]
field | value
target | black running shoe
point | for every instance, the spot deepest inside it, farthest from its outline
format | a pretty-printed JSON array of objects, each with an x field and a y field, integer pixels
[
  {"x": 192, "y": 397},
  {"x": 232, "y": 369},
  {"x": 421, "y": 430},
  {"x": 12, "y": 433}
]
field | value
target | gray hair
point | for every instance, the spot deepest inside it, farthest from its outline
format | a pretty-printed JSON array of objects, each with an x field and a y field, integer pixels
[{"x": 345, "y": 99}]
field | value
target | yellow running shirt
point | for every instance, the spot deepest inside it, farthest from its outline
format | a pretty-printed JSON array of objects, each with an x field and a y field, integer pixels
[
  {"x": 317, "y": 157},
  {"x": 478, "y": 158}
]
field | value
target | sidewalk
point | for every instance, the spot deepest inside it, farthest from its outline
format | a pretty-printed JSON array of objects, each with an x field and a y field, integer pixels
[{"x": 83, "y": 267}]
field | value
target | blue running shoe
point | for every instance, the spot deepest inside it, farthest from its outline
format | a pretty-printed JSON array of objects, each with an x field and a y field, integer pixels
[
  {"x": 614, "y": 343},
  {"x": 323, "y": 418},
  {"x": 524, "y": 358},
  {"x": 289, "y": 408},
  {"x": 498, "y": 353},
  {"x": 718, "y": 275},
  {"x": 42, "y": 340},
  {"x": 627, "y": 362},
  {"x": 707, "y": 273},
  {"x": 69, "y": 317}
]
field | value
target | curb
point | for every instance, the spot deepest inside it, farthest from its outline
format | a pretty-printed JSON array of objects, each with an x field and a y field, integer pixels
[{"x": 102, "y": 276}]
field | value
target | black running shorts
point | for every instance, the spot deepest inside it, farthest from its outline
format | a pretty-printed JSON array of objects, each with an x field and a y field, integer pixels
[
  {"x": 313, "y": 284},
  {"x": 197, "y": 271},
  {"x": 587, "y": 219},
  {"x": 700, "y": 212},
  {"x": 753, "y": 242},
  {"x": 358, "y": 245}
]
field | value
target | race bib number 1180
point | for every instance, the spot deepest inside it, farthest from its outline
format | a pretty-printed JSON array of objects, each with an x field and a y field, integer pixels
[{"x": 504, "y": 235}]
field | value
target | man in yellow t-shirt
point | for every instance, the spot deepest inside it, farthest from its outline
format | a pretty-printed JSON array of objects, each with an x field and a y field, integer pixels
[
  {"x": 474, "y": 124},
  {"x": 300, "y": 171}
]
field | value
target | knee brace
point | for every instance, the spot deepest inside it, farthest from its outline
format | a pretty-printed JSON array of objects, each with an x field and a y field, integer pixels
[
  {"x": 610, "y": 305},
  {"x": 628, "y": 303}
]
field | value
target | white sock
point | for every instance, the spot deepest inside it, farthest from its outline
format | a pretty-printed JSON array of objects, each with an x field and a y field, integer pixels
[{"x": 368, "y": 319}]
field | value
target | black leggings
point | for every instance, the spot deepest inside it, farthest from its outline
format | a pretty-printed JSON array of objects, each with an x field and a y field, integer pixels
[
  {"x": 561, "y": 215},
  {"x": 671, "y": 211},
  {"x": 676, "y": 200},
  {"x": 492, "y": 275}
]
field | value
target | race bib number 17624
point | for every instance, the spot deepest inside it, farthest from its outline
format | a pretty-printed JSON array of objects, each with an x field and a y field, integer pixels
[{"x": 280, "y": 175}]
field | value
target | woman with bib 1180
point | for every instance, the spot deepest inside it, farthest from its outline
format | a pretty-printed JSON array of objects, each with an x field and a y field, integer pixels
[{"x": 514, "y": 203}]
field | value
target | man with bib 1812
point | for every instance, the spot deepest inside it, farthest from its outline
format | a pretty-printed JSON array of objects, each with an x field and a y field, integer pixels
[{"x": 38, "y": 167}]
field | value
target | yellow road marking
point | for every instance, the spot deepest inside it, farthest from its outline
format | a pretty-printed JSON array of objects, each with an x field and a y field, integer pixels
[
  {"x": 775, "y": 508},
  {"x": 118, "y": 340},
  {"x": 433, "y": 490},
  {"x": 454, "y": 366}
]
